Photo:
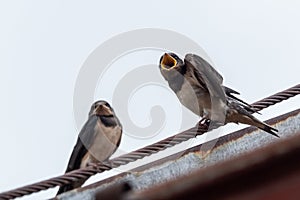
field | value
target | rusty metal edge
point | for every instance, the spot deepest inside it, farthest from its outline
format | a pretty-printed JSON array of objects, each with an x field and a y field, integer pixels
[{"x": 239, "y": 176}]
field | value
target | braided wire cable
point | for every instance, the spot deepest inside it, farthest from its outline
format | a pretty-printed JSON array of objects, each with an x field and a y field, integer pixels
[
  {"x": 276, "y": 98},
  {"x": 87, "y": 172}
]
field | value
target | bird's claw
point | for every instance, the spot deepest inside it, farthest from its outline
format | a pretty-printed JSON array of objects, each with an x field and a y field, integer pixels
[{"x": 204, "y": 121}]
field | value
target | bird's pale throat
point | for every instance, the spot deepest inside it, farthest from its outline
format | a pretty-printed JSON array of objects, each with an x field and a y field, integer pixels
[
  {"x": 103, "y": 110},
  {"x": 168, "y": 62}
]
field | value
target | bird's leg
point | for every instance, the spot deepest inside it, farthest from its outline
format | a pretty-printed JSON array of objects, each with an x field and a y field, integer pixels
[
  {"x": 205, "y": 121},
  {"x": 100, "y": 165},
  {"x": 203, "y": 124},
  {"x": 91, "y": 164}
]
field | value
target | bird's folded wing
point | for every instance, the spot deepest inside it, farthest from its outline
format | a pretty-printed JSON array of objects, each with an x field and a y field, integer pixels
[
  {"x": 84, "y": 141},
  {"x": 204, "y": 71}
]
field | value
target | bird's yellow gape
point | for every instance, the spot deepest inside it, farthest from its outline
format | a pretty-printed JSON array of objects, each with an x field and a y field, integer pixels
[{"x": 168, "y": 62}]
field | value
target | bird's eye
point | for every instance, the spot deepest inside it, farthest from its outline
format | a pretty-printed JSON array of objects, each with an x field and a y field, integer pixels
[{"x": 175, "y": 56}]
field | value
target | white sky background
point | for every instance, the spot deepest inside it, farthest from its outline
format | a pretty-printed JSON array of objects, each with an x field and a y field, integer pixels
[{"x": 255, "y": 45}]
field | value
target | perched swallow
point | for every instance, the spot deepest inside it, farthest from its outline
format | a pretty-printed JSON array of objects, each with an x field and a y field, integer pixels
[
  {"x": 196, "y": 78},
  {"x": 97, "y": 141}
]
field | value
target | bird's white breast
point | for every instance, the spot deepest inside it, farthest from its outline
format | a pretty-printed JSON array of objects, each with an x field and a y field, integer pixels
[
  {"x": 189, "y": 98},
  {"x": 105, "y": 142}
]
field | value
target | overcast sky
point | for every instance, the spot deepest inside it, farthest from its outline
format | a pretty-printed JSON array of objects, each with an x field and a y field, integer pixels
[{"x": 254, "y": 44}]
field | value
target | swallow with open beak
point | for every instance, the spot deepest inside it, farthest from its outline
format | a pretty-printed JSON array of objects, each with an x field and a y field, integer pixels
[
  {"x": 97, "y": 141},
  {"x": 199, "y": 87}
]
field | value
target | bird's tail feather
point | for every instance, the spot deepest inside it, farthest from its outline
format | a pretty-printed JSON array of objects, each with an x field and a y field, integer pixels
[
  {"x": 268, "y": 129},
  {"x": 263, "y": 126},
  {"x": 69, "y": 187},
  {"x": 243, "y": 116},
  {"x": 64, "y": 189}
]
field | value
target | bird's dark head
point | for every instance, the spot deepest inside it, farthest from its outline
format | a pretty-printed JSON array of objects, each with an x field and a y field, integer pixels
[
  {"x": 170, "y": 61},
  {"x": 102, "y": 108},
  {"x": 173, "y": 70}
]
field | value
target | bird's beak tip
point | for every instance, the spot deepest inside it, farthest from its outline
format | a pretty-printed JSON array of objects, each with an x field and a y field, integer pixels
[{"x": 103, "y": 110}]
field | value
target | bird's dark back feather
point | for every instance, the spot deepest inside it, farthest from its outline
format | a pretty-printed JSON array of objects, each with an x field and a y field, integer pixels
[
  {"x": 212, "y": 79},
  {"x": 84, "y": 141},
  {"x": 109, "y": 121}
]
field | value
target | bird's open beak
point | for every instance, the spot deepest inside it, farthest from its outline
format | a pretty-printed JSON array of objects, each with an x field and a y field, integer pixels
[
  {"x": 168, "y": 62},
  {"x": 104, "y": 111}
]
